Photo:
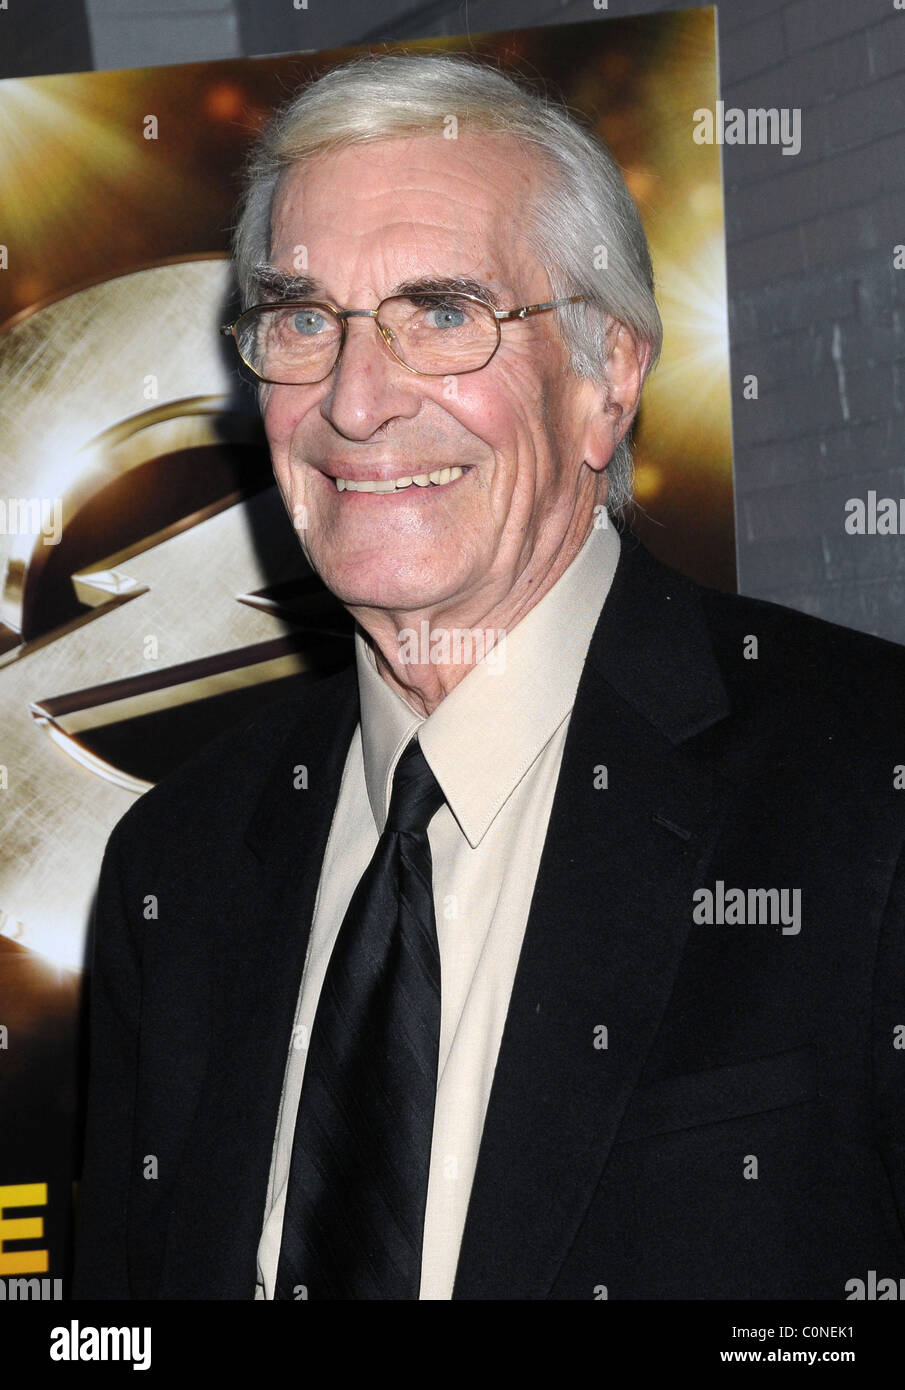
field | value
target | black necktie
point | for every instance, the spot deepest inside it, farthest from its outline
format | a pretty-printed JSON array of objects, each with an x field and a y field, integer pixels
[{"x": 354, "y": 1218}]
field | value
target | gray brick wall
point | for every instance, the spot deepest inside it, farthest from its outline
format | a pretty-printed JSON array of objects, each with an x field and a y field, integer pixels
[
  {"x": 145, "y": 33},
  {"x": 816, "y": 308},
  {"x": 41, "y": 36}
]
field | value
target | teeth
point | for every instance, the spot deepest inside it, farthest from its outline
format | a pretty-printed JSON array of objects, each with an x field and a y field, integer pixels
[{"x": 437, "y": 478}]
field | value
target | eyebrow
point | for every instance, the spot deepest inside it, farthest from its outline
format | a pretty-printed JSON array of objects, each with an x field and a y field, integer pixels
[{"x": 275, "y": 285}]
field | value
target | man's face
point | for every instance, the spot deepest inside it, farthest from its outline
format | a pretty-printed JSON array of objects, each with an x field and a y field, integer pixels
[{"x": 371, "y": 217}]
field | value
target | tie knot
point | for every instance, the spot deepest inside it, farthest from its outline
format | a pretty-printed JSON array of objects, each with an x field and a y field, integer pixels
[{"x": 416, "y": 793}]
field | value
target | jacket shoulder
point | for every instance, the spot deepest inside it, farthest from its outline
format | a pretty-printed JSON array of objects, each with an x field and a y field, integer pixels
[
  {"x": 781, "y": 666},
  {"x": 807, "y": 668},
  {"x": 799, "y": 641}
]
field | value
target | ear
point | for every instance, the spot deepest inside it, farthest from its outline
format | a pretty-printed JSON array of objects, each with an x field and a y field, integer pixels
[{"x": 617, "y": 396}]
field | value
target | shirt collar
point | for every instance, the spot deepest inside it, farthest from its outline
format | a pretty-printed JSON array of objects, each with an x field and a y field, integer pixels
[{"x": 489, "y": 730}]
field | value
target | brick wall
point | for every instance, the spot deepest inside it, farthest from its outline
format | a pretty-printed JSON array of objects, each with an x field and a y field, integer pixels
[
  {"x": 144, "y": 33},
  {"x": 41, "y": 36}
]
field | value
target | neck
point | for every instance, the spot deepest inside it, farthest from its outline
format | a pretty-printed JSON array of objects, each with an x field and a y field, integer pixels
[{"x": 424, "y": 653}]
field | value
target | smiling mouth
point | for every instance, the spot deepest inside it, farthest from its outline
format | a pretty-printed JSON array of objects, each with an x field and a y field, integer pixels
[{"x": 438, "y": 478}]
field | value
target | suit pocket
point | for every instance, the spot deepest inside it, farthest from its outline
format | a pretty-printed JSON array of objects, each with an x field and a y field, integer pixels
[{"x": 721, "y": 1093}]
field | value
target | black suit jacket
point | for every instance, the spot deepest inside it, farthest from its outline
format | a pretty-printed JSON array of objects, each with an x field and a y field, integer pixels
[{"x": 742, "y": 1133}]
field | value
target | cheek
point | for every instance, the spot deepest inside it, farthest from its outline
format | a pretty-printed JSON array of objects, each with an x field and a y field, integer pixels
[
  {"x": 273, "y": 419},
  {"x": 499, "y": 410},
  {"x": 282, "y": 414},
  {"x": 513, "y": 416}
]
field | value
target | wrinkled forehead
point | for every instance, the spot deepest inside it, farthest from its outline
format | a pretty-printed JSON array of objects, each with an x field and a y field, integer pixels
[{"x": 394, "y": 207}]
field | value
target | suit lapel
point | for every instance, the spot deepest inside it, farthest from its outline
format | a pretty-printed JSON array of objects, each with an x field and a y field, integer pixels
[
  {"x": 608, "y": 921},
  {"x": 255, "y": 972}
]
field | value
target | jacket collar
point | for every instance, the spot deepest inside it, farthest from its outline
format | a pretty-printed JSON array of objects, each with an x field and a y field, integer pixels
[{"x": 652, "y": 646}]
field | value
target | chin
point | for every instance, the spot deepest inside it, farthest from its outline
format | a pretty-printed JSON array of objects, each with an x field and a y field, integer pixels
[
  {"x": 389, "y": 597},
  {"x": 357, "y": 588}
]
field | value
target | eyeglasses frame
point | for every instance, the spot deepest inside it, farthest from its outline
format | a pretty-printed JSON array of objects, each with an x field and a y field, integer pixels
[{"x": 500, "y": 316}]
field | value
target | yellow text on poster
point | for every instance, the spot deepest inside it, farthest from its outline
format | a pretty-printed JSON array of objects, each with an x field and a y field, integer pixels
[{"x": 28, "y": 1194}]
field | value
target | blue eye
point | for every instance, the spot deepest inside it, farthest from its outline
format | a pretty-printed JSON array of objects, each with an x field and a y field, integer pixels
[
  {"x": 309, "y": 322},
  {"x": 447, "y": 316}
]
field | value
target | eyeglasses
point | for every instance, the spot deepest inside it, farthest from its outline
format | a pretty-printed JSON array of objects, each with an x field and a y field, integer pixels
[{"x": 299, "y": 342}]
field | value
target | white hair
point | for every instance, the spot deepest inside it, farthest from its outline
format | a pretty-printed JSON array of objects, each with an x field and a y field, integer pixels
[{"x": 582, "y": 225}]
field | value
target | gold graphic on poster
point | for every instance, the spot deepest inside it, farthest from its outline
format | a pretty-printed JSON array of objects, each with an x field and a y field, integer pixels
[{"x": 175, "y": 597}]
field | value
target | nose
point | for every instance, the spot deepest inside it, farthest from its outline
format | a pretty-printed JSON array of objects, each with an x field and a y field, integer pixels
[{"x": 368, "y": 387}]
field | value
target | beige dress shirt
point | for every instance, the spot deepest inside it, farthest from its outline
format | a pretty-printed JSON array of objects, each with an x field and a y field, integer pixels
[{"x": 495, "y": 745}]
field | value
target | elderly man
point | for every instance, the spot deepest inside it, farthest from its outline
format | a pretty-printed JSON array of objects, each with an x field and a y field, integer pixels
[{"x": 556, "y": 949}]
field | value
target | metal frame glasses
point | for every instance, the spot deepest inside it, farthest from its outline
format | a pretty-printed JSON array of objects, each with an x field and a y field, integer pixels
[{"x": 386, "y": 334}]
